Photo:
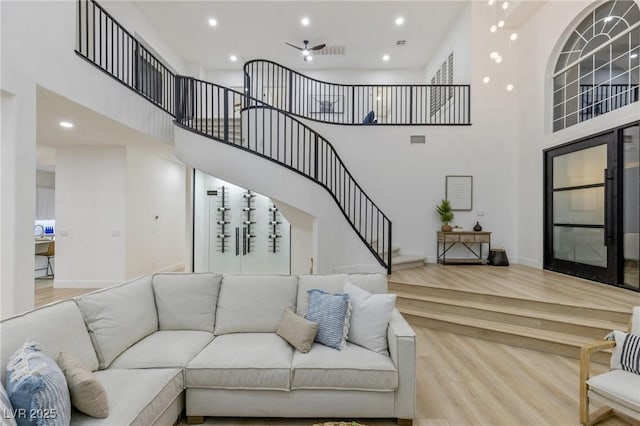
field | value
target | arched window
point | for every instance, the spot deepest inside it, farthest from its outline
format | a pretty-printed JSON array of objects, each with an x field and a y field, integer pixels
[{"x": 598, "y": 68}]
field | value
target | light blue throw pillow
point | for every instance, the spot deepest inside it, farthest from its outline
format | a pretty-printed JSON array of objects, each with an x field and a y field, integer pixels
[
  {"x": 37, "y": 388},
  {"x": 332, "y": 313}
]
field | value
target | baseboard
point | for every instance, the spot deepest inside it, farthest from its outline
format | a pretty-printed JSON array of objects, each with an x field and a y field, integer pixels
[
  {"x": 533, "y": 263},
  {"x": 83, "y": 284}
]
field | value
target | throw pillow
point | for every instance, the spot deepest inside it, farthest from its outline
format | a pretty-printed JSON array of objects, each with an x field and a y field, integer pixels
[
  {"x": 370, "y": 315},
  {"x": 298, "y": 331},
  {"x": 331, "y": 312},
  {"x": 626, "y": 354},
  {"x": 87, "y": 393},
  {"x": 6, "y": 410},
  {"x": 37, "y": 388}
]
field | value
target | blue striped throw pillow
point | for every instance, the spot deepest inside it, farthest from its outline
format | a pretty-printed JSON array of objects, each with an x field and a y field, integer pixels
[
  {"x": 332, "y": 313},
  {"x": 37, "y": 388}
]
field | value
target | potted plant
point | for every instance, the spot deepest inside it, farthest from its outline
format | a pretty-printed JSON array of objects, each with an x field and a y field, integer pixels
[{"x": 446, "y": 215}]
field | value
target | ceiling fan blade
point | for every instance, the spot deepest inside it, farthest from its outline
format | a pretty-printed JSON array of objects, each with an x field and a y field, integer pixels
[
  {"x": 295, "y": 47},
  {"x": 318, "y": 47}
]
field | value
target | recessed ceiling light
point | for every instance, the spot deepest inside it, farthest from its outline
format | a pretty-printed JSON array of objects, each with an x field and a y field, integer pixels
[
  {"x": 493, "y": 55},
  {"x": 233, "y": 58},
  {"x": 308, "y": 58},
  {"x": 386, "y": 58},
  {"x": 492, "y": 2},
  {"x": 213, "y": 22},
  {"x": 608, "y": 18},
  {"x": 66, "y": 124},
  {"x": 493, "y": 29},
  {"x": 505, "y": 5},
  {"x": 500, "y": 24},
  {"x": 498, "y": 59},
  {"x": 513, "y": 36},
  {"x": 509, "y": 87},
  {"x": 486, "y": 80},
  {"x": 304, "y": 21},
  {"x": 399, "y": 20}
]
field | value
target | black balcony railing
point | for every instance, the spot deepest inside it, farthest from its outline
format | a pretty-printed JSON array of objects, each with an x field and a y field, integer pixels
[
  {"x": 247, "y": 123},
  {"x": 105, "y": 43},
  {"x": 355, "y": 104}
]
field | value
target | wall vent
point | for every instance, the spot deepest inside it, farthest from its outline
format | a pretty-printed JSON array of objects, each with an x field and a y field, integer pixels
[
  {"x": 401, "y": 42},
  {"x": 330, "y": 51},
  {"x": 418, "y": 139}
]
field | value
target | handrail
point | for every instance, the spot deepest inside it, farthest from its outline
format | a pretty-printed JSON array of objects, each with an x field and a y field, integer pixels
[
  {"x": 233, "y": 118},
  {"x": 247, "y": 123},
  {"x": 103, "y": 42},
  {"x": 349, "y": 104}
]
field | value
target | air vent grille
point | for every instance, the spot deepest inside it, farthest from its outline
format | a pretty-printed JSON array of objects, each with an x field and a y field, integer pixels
[
  {"x": 417, "y": 139},
  {"x": 330, "y": 51},
  {"x": 401, "y": 42}
]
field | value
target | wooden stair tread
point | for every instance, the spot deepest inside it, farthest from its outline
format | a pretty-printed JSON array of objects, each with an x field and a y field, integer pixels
[
  {"x": 407, "y": 259},
  {"x": 532, "y": 333},
  {"x": 511, "y": 296},
  {"x": 518, "y": 311}
]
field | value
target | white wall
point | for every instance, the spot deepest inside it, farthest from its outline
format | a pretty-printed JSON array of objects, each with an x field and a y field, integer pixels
[
  {"x": 155, "y": 213},
  {"x": 91, "y": 216},
  {"x": 302, "y": 237}
]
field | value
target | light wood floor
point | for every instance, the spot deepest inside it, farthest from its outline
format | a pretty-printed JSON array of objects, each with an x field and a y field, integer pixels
[{"x": 467, "y": 381}]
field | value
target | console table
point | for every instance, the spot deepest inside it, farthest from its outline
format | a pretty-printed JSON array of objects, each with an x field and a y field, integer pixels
[{"x": 446, "y": 240}]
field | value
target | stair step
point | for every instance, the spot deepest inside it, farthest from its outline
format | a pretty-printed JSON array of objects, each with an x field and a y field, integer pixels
[
  {"x": 407, "y": 261},
  {"x": 552, "y": 321},
  {"x": 514, "y": 335}
]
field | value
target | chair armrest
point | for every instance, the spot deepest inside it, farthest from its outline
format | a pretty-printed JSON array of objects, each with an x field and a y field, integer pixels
[
  {"x": 585, "y": 360},
  {"x": 402, "y": 349}
]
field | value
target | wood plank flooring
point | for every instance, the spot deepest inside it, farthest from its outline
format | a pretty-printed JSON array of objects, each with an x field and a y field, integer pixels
[{"x": 467, "y": 381}]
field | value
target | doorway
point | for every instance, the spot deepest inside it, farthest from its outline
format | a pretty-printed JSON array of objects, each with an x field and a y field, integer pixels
[{"x": 591, "y": 208}]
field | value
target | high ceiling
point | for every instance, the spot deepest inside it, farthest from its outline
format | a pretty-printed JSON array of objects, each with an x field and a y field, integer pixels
[{"x": 259, "y": 29}]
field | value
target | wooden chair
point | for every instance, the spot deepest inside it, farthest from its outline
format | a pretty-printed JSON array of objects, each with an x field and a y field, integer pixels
[{"x": 617, "y": 390}]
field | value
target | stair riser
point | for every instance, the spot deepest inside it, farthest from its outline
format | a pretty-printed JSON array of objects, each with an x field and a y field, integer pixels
[
  {"x": 595, "y": 333},
  {"x": 408, "y": 265},
  {"x": 506, "y": 338},
  {"x": 577, "y": 311}
]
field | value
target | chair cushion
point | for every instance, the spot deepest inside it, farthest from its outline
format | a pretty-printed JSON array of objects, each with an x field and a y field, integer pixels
[
  {"x": 57, "y": 327},
  {"x": 242, "y": 361},
  {"x": 332, "y": 312},
  {"x": 162, "y": 349},
  {"x": 254, "y": 303},
  {"x": 87, "y": 393},
  {"x": 618, "y": 385},
  {"x": 138, "y": 397},
  {"x": 37, "y": 388},
  {"x": 352, "y": 368},
  {"x": 118, "y": 317},
  {"x": 370, "y": 314},
  {"x": 373, "y": 283},
  {"x": 186, "y": 301}
]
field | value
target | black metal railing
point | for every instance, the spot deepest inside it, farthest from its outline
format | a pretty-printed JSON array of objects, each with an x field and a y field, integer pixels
[
  {"x": 355, "y": 104},
  {"x": 105, "y": 43},
  {"x": 247, "y": 123},
  {"x": 596, "y": 100}
]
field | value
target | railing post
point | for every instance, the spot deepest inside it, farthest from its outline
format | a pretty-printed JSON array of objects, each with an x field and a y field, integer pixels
[
  {"x": 316, "y": 150},
  {"x": 177, "y": 98},
  {"x": 353, "y": 104},
  {"x": 136, "y": 65},
  {"x": 226, "y": 115},
  {"x": 290, "y": 91},
  {"x": 411, "y": 105},
  {"x": 389, "y": 250}
]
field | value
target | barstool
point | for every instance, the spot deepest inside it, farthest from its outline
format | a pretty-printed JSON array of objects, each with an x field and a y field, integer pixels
[{"x": 51, "y": 252}]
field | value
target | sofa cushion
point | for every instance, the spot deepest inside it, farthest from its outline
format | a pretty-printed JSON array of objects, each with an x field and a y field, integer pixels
[
  {"x": 87, "y": 393},
  {"x": 36, "y": 384},
  {"x": 373, "y": 283},
  {"x": 118, "y": 317},
  {"x": 186, "y": 301},
  {"x": 353, "y": 368},
  {"x": 137, "y": 396},
  {"x": 242, "y": 361},
  {"x": 254, "y": 303},
  {"x": 162, "y": 349},
  {"x": 618, "y": 385},
  {"x": 370, "y": 314},
  {"x": 297, "y": 331},
  {"x": 57, "y": 327}
]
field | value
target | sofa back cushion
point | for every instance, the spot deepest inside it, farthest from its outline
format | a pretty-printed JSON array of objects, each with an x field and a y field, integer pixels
[
  {"x": 334, "y": 284},
  {"x": 57, "y": 327},
  {"x": 254, "y": 303},
  {"x": 118, "y": 317},
  {"x": 186, "y": 301}
]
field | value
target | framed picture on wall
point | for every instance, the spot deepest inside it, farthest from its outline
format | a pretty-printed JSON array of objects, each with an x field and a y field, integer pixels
[
  {"x": 327, "y": 104},
  {"x": 459, "y": 192}
]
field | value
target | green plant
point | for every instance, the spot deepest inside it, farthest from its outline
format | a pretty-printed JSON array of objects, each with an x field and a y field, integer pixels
[{"x": 445, "y": 212}]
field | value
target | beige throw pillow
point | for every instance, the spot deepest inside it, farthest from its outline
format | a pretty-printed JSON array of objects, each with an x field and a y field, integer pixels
[
  {"x": 87, "y": 393},
  {"x": 298, "y": 331}
]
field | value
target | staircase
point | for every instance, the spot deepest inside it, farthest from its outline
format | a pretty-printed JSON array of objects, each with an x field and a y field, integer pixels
[
  {"x": 557, "y": 328},
  {"x": 401, "y": 261}
]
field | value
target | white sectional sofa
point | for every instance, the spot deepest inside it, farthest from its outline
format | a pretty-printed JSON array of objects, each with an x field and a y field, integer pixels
[{"x": 208, "y": 342}]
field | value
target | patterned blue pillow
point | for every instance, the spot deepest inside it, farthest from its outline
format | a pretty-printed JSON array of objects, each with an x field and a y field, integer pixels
[
  {"x": 332, "y": 313},
  {"x": 37, "y": 388}
]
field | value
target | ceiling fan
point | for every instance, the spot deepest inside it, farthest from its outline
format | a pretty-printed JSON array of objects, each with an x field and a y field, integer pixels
[{"x": 306, "y": 50}]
